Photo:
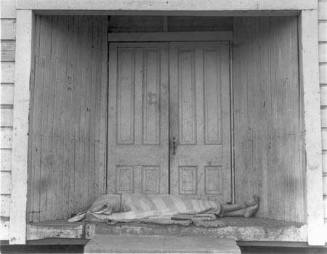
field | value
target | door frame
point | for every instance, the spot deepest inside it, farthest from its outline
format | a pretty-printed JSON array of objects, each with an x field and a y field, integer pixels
[{"x": 196, "y": 37}]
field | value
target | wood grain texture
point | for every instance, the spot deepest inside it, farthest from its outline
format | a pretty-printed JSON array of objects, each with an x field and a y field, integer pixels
[
  {"x": 323, "y": 52},
  {"x": 323, "y": 95},
  {"x": 5, "y": 159},
  {"x": 55, "y": 230},
  {"x": 6, "y": 94},
  {"x": 323, "y": 74},
  {"x": 324, "y": 161},
  {"x": 5, "y": 181},
  {"x": 322, "y": 9},
  {"x": 127, "y": 24},
  {"x": 6, "y": 137},
  {"x": 148, "y": 23},
  {"x": 165, "y": 244},
  {"x": 308, "y": 56},
  {"x": 162, "y": 5},
  {"x": 323, "y": 115},
  {"x": 67, "y": 142},
  {"x": 200, "y": 120},
  {"x": 8, "y": 9},
  {"x": 182, "y": 23},
  {"x": 97, "y": 145},
  {"x": 8, "y": 29},
  {"x": 25, "y": 25},
  {"x": 324, "y": 138},
  {"x": 8, "y": 51},
  {"x": 4, "y": 228},
  {"x": 6, "y": 117},
  {"x": 268, "y": 152},
  {"x": 171, "y": 36},
  {"x": 138, "y": 118},
  {"x": 322, "y": 26},
  {"x": 7, "y": 72},
  {"x": 4, "y": 205}
]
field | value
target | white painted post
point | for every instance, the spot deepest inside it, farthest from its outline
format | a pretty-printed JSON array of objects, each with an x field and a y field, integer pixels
[
  {"x": 311, "y": 92},
  {"x": 24, "y": 29}
]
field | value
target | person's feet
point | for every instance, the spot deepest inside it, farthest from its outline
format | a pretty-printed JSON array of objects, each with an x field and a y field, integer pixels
[
  {"x": 252, "y": 207},
  {"x": 253, "y": 201}
]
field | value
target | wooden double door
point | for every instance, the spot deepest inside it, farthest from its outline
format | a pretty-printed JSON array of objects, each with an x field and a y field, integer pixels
[{"x": 169, "y": 119}]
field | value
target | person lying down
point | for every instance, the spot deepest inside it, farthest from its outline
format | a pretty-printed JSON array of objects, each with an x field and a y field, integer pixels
[{"x": 162, "y": 208}]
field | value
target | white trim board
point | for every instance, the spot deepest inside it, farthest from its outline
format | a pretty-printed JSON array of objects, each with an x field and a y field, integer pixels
[
  {"x": 164, "y": 5},
  {"x": 252, "y": 13},
  {"x": 24, "y": 45},
  {"x": 311, "y": 103}
]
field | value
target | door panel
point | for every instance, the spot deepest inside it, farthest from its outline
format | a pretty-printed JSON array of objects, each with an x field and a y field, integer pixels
[
  {"x": 200, "y": 120},
  {"x": 138, "y": 118}
]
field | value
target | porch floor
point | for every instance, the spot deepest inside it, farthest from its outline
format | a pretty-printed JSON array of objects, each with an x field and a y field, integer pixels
[{"x": 244, "y": 229}]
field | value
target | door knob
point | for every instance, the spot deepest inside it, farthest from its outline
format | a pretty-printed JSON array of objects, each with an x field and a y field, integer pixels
[{"x": 174, "y": 146}]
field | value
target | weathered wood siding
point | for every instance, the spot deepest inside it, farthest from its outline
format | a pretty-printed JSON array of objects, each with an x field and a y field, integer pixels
[
  {"x": 68, "y": 116},
  {"x": 8, "y": 37},
  {"x": 267, "y": 116},
  {"x": 323, "y": 91}
]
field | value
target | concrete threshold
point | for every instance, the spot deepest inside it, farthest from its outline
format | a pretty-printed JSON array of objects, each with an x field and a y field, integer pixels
[{"x": 103, "y": 243}]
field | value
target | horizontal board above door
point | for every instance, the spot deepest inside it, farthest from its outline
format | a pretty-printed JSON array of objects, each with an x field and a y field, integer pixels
[{"x": 171, "y": 36}]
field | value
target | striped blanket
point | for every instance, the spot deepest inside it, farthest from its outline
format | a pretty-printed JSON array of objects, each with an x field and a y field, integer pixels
[{"x": 140, "y": 207}]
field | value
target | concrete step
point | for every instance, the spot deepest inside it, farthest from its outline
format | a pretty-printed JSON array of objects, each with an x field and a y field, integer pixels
[{"x": 103, "y": 243}]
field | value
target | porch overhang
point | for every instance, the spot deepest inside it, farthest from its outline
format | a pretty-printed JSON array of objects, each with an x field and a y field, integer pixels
[
  {"x": 308, "y": 28},
  {"x": 164, "y": 5}
]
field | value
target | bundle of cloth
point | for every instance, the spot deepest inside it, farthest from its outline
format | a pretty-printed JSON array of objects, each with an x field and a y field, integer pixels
[{"x": 162, "y": 209}]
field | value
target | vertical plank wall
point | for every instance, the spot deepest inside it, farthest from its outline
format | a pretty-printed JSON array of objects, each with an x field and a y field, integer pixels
[
  {"x": 323, "y": 90},
  {"x": 68, "y": 116},
  {"x": 8, "y": 43},
  {"x": 267, "y": 116}
]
